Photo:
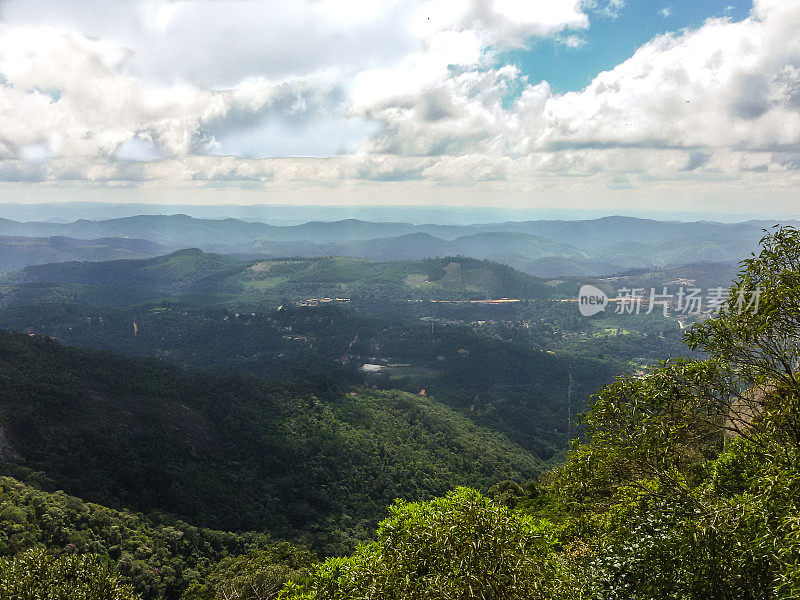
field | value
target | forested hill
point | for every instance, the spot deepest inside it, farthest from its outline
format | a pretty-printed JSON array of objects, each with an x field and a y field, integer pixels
[
  {"x": 221, "y": 314},
  {"x": 307, "y": 460},
  {"x": 157, "y": 557},
  {"x": 224, "y": 278}
]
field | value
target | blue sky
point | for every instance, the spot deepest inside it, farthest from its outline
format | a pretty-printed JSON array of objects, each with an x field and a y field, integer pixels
[{"x": 609, "y": 40}]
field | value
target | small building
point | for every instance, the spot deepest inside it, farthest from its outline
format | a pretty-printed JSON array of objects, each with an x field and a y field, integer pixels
[{"x": 370, "y": 368}]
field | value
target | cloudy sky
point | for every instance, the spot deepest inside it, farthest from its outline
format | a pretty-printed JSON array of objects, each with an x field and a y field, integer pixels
[{"x": 527, "y": 103}]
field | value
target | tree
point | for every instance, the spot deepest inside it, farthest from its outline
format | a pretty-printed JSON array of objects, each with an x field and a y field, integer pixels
[
  {"x": 37, "y": 575},
  {"x": 257, "y": 575},
  {"x": 460, "y": 546},
  {"x": 689, "y": 485}
]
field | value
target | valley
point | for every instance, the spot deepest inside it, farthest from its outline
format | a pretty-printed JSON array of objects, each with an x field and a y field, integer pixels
[
  {"x": 297, "y": 397},
  {"x": 399, "y": 300}
]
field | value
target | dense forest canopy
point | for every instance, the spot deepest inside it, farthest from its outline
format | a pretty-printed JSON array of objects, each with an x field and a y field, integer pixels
[
  {"x": 311, "y": 460},
  {"x": 525, "y": 368}
]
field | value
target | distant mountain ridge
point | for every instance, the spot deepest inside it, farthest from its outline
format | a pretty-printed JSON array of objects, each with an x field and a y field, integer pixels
[
  {"x": 19, "y": 252},
  {"x": 545, "y": 248}
]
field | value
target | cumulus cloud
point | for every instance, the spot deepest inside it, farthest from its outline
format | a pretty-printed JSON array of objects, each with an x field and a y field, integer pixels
[
  {"x": 71, "y": 95},
  {"x": 725, "y": 86},
  {"x": 385, "y": 90},
  {"x": 158, "y": 79}
]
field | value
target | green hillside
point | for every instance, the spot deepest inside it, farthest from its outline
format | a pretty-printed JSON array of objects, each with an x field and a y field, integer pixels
[
  {"x": 497, "y": 377},
  {"x": 220, "y": 278},
  {"x": 19, "y": 252},
  {"x": 158, "y": 557},
  {"x": 686, "y": 487},
  {"x": 232, "y": 454}
]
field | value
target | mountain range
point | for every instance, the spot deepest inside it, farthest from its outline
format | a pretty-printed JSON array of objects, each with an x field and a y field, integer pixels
[{"x": 545, "y": 248}]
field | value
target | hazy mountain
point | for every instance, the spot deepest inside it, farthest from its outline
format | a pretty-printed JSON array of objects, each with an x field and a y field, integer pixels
[
  {"x": 732, "y": 245},
  {"x": 597, "y": 233},
  {"x": 293, "y": 214},
  {"x": 499, "y": 246},
  {"x": 19, "y": 252},
  {"x": 546, "y": 248}
]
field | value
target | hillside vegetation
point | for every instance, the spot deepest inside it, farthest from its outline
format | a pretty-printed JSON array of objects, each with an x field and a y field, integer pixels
[
  {"x": 218, "y": 278},
  {"x": 19, "y": 252},
  {"x": 211, "y": 312},
  {"x": 674, "y": 494},
  {"x": 155, "y": 557},
  {"x": 312, "y": 461}
]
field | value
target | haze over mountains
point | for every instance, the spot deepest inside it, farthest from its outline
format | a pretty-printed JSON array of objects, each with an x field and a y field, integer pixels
[
  {"x": 544, "y": 248},
  {"x": 19, "y": 252},
  {"x": 297, "y": 214}
]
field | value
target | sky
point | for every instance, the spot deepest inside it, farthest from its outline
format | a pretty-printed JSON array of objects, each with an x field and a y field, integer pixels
[{"x": 571, "y": 104}]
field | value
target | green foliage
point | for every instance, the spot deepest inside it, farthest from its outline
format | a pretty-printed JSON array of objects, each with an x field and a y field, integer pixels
[
  {"x": 37, "y": 575},
  {"x": 258, "y": 575},
  {"x": 157, "y": 558},
  {"x": 499, "y": 377},
  {"x": 660, "y": 426},
  {"x": 756, "y": 336},
  {"x": 689, "y": 486},
  {"x": 460, "y": 546},
  {"x": 313, "y": 461}
]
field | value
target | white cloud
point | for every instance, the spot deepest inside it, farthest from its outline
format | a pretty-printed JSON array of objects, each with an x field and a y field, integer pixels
[
  {"x": 73, "y": 96},
  {"x": 176, "y": 78},
  {"x": 609, "y": 9},
  {"x": 218, "y": 43},
  {"x": 725, "y": 85},
  {"x": 388, "y": 90}
]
